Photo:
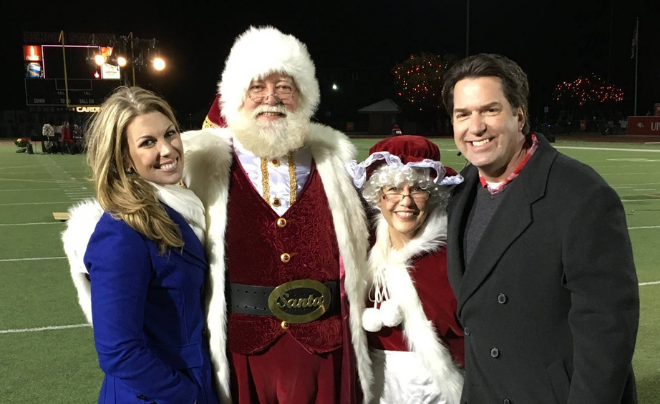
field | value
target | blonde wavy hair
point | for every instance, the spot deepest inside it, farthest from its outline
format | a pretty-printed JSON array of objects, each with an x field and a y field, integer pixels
[{"x": 128, "y": 196}]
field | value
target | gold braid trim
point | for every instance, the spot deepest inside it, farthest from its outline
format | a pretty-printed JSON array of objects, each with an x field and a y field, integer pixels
[
  {"x": 264, "y": 180},
  {"x": 207, "y": 123},
  {"x": 293, "y": 183}
]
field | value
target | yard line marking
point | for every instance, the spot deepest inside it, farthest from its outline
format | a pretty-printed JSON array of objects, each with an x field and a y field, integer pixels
[
  {"x": 607, "y": 149},
  {"x": 618, "y": 166},
  {"x": 636, "y": 185},
  {"x": 643, "y": 227},
  {"x": 30, "y": 190},
  {"x": 635, "y": 159},
  {"x": 22, "y": 173},
  {"x": 650, "y": 283},
  {"x": 608, "y": 174},
  {"x": 33, "y": 203},
  {"x": 29, "y": 224},
  {"x": 26, "y": 180},
  {"x": 31, "y": 259},
  {"x": 651, "y": 198},
  {"x": 55, "y": 327},
  {"x": 33, "y": 165}
]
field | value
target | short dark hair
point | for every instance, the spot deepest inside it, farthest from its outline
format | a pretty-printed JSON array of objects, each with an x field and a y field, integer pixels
[{"x": 514, "y": 80}]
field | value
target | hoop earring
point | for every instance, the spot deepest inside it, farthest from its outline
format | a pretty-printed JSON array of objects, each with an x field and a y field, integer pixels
[{"x": 129, "y": 170}]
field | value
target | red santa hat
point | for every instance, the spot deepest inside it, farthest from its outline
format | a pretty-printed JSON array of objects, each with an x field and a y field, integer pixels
[
  {"x": 404, "y": 151},
  {"x": 214, "y": 117},
  {"x": 259, "y": 52}
]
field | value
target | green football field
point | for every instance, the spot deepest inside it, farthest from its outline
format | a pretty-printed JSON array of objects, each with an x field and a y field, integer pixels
[{"x": 47, "y": 351}]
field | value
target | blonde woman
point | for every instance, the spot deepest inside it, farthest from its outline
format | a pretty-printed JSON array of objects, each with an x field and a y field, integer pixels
[{"x": 144, "y": 260}]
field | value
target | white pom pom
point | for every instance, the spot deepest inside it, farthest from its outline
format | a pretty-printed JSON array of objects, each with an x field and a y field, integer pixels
[
  {"x": 390, "y": 313},
  {"x": 371, "y": 320}
]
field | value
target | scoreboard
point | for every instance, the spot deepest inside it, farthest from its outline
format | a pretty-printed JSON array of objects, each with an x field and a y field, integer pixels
[
  {"x": 87, "y": 83},
  {"x": 82, "y": 92}
]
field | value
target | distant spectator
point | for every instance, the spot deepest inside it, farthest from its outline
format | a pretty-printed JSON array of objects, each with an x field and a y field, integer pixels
[
  {"x": 623, "y": 125},
  {"x": 77, "y": 139},
  {"x": 47, "y": 143},
  {"x": 67, "y": 140},
  {"x": 396, "y": 131}
]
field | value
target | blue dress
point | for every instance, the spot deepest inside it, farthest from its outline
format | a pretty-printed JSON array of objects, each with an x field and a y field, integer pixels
[{"x": 148, "y": 316}]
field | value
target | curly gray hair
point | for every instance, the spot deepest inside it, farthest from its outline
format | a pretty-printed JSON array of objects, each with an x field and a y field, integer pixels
[{"x": 387, "y": 175}]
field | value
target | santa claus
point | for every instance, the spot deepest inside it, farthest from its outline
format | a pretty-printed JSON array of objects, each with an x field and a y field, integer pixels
[{"x": 287, "y": 235}]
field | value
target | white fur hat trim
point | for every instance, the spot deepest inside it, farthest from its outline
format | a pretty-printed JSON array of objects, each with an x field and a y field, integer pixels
[{"x": 259, "y": 52}]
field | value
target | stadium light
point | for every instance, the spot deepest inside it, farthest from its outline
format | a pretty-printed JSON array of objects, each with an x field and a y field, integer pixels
[
  {"x": 99, "y": 59},
  {"x": 159, "y": 63}
]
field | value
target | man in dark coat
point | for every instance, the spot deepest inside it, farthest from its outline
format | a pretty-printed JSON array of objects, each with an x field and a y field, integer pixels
[{"x": 539, "y": 255}]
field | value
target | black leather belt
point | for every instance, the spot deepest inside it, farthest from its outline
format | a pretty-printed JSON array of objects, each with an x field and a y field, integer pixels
[{"x": 300, "y": 301}]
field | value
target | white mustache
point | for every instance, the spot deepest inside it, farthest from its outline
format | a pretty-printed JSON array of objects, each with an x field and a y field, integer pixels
[{"x": 268, "y": 108}]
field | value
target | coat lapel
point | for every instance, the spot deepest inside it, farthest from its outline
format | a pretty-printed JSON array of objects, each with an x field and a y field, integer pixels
[
  {"x": 457, "y": 215},
  {"x": 511, "y": 219}
]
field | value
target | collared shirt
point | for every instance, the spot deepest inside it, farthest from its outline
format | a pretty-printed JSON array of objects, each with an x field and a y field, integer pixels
[
  {"x": 495, "y": 188},
  {"x": 278, "y": 174}
]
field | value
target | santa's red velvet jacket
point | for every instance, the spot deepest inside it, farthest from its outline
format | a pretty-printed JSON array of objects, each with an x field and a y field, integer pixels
[{"x": 208, "y": 172}]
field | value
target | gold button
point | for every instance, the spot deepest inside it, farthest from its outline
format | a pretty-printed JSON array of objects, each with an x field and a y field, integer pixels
[
  {"x": 284, "y": 325},
  {"x": 276, "y": 202},
  {"x": 275, "y": 162},
  {"x": 285, "y": 258},
  {"x": 281, "y": 222}
]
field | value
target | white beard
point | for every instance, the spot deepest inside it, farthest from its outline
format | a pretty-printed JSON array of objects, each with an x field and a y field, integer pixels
[{"x": 271, "y": 139}]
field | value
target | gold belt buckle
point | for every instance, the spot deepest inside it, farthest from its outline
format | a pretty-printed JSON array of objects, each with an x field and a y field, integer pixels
[{"x": 300, "y": 301}]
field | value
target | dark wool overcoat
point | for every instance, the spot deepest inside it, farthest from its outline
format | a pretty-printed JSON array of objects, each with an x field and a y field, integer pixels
[{"x": 549, "y": 300}]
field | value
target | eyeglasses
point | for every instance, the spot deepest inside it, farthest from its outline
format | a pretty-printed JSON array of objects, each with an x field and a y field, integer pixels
[
  {"x": 417, "y": 195},
  {"x": 283, "y": 94}
]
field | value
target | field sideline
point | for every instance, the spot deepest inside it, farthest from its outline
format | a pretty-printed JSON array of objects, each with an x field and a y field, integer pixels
[{"x": 47, "y": 350}]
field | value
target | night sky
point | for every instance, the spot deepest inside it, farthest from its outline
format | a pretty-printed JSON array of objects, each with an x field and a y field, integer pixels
[{"x": 553, "y": 40}]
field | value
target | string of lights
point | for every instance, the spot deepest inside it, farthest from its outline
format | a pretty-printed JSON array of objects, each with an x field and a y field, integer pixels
[
  {"x": 418, "y": 80},
  {"x": 587, "y": 90}
]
